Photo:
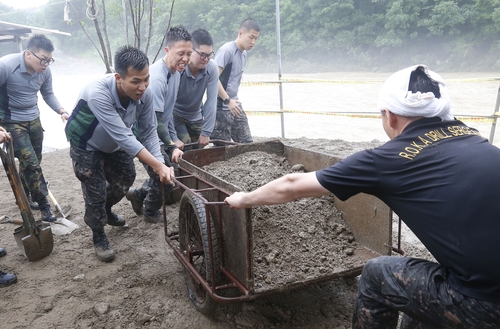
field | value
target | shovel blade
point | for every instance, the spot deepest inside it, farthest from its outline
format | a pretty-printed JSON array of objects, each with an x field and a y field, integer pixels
[
  {"x": 64, "y": 213},
  {"x": 34, "y": 246}
]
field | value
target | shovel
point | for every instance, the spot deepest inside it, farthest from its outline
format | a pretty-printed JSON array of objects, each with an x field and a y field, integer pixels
[
  {"x": 6, "y": 220},
  {"x": 34, "y": 240},
  {"x": 62, "y": 225},
  {"x": 56, "y": 204}
]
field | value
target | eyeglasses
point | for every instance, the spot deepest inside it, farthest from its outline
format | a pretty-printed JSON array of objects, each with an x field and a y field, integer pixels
[
  {"x": 204, "y": 56},
  {"x": 44, "y": 61}
]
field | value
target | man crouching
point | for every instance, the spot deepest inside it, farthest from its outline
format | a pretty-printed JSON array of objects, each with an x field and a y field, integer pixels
[{"x": 103, "y": 146}]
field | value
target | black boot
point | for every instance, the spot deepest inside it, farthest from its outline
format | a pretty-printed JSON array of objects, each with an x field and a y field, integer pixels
[
  {"x": 33, "y": 205},
  {"x": 136, "y": 199},
  {"x": 6, "y": 279},
  {"x": 103, "y": 249},
  {"x": 152, "y": 216},
  {"x": 172, "y": 194},
  {"x": 47, "y": 214},
  {"x": 3, "y": 252},
  {"x": 114, "y": 219}
]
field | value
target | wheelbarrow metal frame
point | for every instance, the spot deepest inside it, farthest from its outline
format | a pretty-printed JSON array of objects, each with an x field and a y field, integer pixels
[{"x": 363, "y": 213}]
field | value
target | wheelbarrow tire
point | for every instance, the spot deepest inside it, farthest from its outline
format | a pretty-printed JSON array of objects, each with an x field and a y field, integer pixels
[{"x": 193, "y": 242}]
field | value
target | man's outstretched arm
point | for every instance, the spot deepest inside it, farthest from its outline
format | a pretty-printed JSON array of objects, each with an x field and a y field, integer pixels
[{"x": 287, "y": 188}]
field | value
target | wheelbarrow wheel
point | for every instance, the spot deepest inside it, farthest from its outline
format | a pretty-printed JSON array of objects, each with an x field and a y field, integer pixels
[{"x": 193, "y": 242}]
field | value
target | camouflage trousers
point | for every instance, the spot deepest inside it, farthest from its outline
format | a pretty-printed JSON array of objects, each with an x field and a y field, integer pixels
[
  {"x": 227, "y": 127},
  {"x": 150, "y": 191},
  {"x": 105, "y": 179},
  {"x": 27, "y": 137},
  {"x": 188, "y": 131},
  {"x": 419, "y": 288}
]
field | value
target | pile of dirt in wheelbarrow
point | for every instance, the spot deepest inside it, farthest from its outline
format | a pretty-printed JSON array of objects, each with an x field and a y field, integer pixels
[
  {"x": 297, "y": 241},
  {"x": 144, "y": 287}
]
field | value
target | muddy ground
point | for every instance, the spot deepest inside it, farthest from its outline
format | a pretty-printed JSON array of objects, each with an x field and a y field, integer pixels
[{"x": 144, "y": 287}]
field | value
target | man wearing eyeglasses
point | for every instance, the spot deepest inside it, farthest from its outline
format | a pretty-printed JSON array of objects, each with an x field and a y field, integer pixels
[
  {"x": 22, "y": 76},
  {"x": 231, "y": 121},
  {"x": 194, "y": 120}
]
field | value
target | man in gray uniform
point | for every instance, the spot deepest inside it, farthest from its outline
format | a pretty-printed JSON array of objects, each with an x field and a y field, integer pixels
[
  {"x": 165, "y": 76},
  {"x": 231, "y": 121},
  {"x": 165, "y": 79},
  {"x": 103, "y": 145},
  {"x": 22, "y": 76},
  {"x": 194, "y": 121}
]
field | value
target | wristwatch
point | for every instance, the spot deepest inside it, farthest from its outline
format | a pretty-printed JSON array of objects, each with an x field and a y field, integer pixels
[{"x": 226, "y": 101}]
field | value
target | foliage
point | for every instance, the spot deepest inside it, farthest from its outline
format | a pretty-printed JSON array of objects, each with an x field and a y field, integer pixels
[{"x": 316, "y": 35}]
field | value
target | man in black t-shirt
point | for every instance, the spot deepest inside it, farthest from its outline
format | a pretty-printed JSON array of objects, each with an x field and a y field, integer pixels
[{"x": 441, "y": 177}]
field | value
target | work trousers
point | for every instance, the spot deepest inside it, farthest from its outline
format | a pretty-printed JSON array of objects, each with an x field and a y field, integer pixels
[
  {"x": 105, "y": 179},
  {"x": 27, "y": 139},
  {"x": 150, "y": 191},
  {"x": 419, "y": 288},
  {"x": 227, "y": 127},
  {"x": 188, "y": 131}
]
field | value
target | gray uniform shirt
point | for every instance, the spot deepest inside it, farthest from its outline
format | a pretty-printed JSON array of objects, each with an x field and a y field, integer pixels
[
  {"x": 100, "y": 123},
  {"x": 233, "y": 62},
  {"x": 190, "y": 96},
  {"x": 165, "y": 84},
  {"x": 19, "y": 88}
]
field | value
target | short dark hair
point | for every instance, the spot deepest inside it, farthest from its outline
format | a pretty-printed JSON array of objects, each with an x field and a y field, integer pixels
[
  {"x": 420, "y": 81},
  {"x": 177, "y": 33},
  {"x": 40, "y": 41},
  {"x": 201, "y": 37},
  {"x": 250, "y": 24},
  {"x": 128, "y": 56}
]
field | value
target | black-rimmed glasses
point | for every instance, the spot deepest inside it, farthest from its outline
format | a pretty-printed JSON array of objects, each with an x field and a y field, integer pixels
[
  {"x": 45, "y": 61},
  {"x": 204, "y": 56}
]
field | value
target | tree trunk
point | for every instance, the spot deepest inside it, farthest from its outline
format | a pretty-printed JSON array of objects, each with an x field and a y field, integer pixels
[
  {"x": 136, "y": 22},
  {"x": 165, "y": 35},
  {"x": 150, "y": 26},
  {"x": 105, "y": 31},
  {"x": 125, "y": 21},
  {"x": 93, "y": 11}
]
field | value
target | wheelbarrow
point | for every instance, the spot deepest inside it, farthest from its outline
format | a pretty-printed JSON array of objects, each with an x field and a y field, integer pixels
[
  {"x": 214, "y": 242},
  {"x": 34, "y": 240}
]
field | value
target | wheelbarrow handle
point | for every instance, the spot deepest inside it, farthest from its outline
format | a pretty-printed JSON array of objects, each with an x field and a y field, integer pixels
[
  {"x": 224, "y": 142},
  {"x": 214, "y": 141}
]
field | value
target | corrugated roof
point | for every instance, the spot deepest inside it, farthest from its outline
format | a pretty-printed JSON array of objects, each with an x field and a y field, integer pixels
[{"x": 14, "y": 32}]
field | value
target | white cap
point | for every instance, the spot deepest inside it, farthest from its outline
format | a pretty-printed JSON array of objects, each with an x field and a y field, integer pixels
[{"x": 395, "y": 97}]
